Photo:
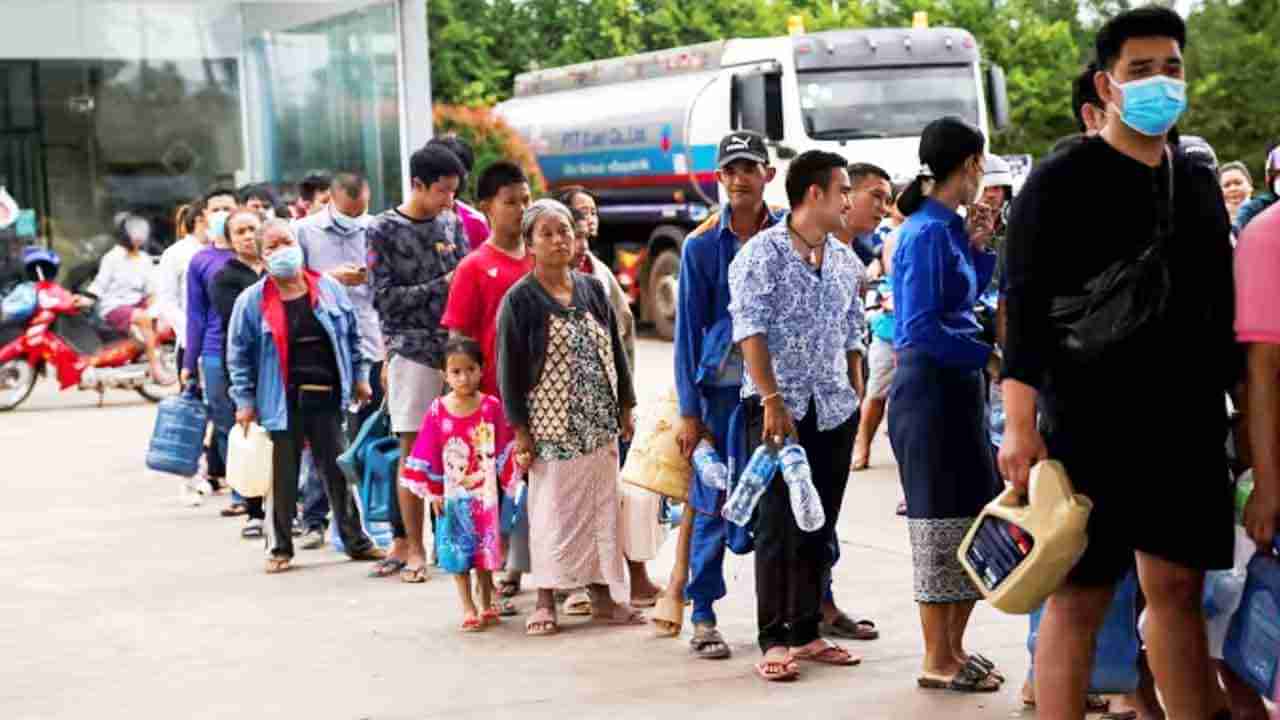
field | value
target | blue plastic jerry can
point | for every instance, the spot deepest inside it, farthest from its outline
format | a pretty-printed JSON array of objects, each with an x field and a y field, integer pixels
[
  {"x": 178, "y": 438},
  {"x": 1115, "y": 661},
  {"x": 1253, "y": 642}
]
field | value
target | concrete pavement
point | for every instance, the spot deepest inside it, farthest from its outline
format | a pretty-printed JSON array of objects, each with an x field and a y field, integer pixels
[{"x": 117, "y": 602}]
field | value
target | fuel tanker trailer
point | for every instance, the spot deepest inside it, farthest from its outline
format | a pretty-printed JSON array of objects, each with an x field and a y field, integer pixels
[{"x": 641, "y": 132}]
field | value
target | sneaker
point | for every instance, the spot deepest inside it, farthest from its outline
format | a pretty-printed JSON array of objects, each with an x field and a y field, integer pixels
[
  {"x": 312, "y": 539},
  {"x": 252, "y": 530},
  {"x": 188, "y": 496},
  {"x": 200, "y": 484}
]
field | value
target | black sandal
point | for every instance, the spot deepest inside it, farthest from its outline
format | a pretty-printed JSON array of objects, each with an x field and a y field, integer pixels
[
  {"x": 708, "y": 644},
  {"x": 990, "y": 666},
  {"x": 972, "y": 678}
]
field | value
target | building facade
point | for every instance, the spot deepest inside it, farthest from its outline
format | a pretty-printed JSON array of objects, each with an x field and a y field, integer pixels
[{"x": 111, "y": 106}]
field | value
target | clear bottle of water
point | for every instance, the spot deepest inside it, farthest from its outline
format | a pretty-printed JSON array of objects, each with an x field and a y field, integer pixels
[
  {"x": 710, "y": 469},
  {"x": 755, "y": 478},
  {"x": 805, "y": 503}
]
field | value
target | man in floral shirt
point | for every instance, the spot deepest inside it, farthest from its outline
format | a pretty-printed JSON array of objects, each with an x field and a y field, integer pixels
[
  {"x": 796, "y": 313},
  {"x": 413, "y": 251}
]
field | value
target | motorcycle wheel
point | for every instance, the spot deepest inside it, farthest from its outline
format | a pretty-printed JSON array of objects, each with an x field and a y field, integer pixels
[
  {"x": 155, "y": 392},
  {"x": 17, "y": 380}
]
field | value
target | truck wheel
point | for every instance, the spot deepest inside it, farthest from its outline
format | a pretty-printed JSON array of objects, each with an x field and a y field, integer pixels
[
  {"x": 664, "y": 277},
  {"x": 17, "y": 379}
]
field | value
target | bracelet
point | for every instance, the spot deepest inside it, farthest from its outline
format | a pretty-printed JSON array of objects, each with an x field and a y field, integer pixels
[{"x": 769, "y": 397}]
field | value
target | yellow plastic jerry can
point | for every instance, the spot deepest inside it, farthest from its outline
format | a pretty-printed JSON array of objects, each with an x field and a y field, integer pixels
[
  {"x": 1020, "y": 549},
  {"x": 655, "y": 462}
]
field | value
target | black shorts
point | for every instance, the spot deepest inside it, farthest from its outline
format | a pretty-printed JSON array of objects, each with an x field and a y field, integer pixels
[{"x": 1168, "y": 494}]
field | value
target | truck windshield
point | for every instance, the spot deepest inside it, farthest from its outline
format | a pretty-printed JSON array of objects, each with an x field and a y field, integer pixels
[{"x": 885, "y": 102}]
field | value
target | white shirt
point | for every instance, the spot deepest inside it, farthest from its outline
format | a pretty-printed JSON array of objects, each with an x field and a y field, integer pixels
[
  {"x": 171, "y": 284},
  {"x": 122, "y": 280}
]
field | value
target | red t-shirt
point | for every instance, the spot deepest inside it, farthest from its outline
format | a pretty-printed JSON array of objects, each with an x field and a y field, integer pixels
[{"x": 479, "y": 283}]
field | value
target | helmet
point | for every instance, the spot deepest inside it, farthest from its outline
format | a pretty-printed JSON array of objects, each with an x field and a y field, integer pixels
[
  {"x": 47, "y": 261},
  {"x": 998, "y": 173}
]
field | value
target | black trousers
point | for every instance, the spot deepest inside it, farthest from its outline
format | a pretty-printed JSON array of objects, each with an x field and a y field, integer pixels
[
  {"x": 793, "y": 566},
  {"x": 323, "y": 429}
]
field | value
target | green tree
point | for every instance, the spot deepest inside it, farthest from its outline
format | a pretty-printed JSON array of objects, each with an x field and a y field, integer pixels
[{"x": 1233, "y": 85}]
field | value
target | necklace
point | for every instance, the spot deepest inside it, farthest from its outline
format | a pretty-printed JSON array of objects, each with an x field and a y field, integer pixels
[{"x": 813, "y": 247}]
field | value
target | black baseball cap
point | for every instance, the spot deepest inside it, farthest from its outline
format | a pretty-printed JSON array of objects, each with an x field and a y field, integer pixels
[{"x": 742, "y": 145}]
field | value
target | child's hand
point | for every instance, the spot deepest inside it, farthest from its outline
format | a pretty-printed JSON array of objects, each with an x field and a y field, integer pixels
[
  {"x": 524, "y": 448},
  {"x": 437, "y": 506}
]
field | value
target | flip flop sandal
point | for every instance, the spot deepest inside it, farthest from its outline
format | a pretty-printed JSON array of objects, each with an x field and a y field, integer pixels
[
  {"x": 859, "y": 465},
  {"x": 505, "y": 607},
  {"x": 544, "y": 618},
  {"x": 849, "y": 629},
  {"x": 1092, "y": 704},
  {"x": 235, "y": 510},
  {"x": 708, "y": 644},
  {"x": 832, "y": 654},
  {"x": 386, "y": 568},
  {"x": 508, "y": 589},
  {"x": 630, "y": 616},
  {"x": 253, "y": 532},
  {"x": 777, "y": 670},
  {"x": 668, "y": 616},
  {"x": 491, "y": 616},
  {"x": 972, "y": 678},
  {"x": 578, "y": 604},
  {"x": 277, "y": 565},
  {"x": 413, "y": 576},
  {"x": 471, "y": 624}
]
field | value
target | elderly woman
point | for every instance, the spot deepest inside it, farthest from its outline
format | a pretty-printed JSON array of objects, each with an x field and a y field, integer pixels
[
  {"x": 566, "y": 388},
  {"x": 293, "y": 349}
]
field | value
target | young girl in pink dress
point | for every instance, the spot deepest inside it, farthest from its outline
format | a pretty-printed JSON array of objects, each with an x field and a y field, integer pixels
[{"x": 461, "y": 462}]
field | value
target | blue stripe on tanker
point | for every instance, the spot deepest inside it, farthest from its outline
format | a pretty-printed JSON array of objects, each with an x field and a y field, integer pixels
[{"x": 625, "y": 162}]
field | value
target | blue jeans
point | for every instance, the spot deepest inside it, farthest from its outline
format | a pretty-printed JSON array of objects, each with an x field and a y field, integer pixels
[
  {"x": 315, "y": 504},
  {"x": 710, "y": 530},
  {"x": 214, "y": 384}
]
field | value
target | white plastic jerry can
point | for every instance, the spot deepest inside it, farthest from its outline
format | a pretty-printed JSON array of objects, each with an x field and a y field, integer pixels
[{"x": 249, "y": 460}]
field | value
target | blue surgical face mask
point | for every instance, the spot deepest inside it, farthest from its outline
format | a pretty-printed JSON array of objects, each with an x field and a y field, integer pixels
[
  {"x": 218, "y": 224},
  {"x": 285, "y": 262},
  {"x": 1152, "y": 105}
]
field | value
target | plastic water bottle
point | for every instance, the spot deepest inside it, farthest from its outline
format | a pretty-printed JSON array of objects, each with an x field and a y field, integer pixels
[
  {"x": 755, "y": 478},
  {"x": 805, "y": 503},
  {"x": 710, "y": 468}
]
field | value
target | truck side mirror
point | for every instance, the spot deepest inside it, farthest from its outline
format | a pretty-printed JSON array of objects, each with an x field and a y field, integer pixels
[
  {"x": 755, "y": 102},
  {"x": 998, "y": 97}
]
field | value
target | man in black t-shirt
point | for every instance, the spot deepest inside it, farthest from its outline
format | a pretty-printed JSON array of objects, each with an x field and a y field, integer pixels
[{"x": 1140, "y": 425}]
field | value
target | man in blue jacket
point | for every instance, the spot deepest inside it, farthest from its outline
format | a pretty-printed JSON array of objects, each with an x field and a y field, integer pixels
[
  {"x": 293, "y": 349},
  {"x": 708, "y": 367}
]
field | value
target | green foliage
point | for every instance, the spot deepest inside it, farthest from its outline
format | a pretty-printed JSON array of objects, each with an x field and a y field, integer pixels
[
  {"x": 479, "y": 46},
  {"x": 490, "y": 138},
  {"x": 1232, "y": 57}
]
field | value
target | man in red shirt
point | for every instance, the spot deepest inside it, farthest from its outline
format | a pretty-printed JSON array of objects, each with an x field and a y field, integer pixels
[{"x": 485, "y": 275}]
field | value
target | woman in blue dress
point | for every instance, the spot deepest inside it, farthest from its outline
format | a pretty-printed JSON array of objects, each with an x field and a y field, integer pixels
[{"x": 937, "y": 406}]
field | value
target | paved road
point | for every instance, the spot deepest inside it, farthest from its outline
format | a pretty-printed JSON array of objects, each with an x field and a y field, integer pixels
[{"x": 117, "y": 602}]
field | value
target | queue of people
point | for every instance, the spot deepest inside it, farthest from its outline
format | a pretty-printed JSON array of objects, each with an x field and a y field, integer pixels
[{"x": 503, "y": 351}]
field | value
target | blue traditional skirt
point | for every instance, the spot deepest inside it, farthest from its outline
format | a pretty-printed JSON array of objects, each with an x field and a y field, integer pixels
[{"x": 940, "y": 437}]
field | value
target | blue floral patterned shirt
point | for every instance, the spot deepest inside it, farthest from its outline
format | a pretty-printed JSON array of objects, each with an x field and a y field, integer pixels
[{"x": 811, "y": 320}]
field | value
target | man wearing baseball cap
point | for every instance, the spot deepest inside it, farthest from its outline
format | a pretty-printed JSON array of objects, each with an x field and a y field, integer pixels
[
  {"x": 1267, "y": 197},
  {"x": 708, "y": 367}
]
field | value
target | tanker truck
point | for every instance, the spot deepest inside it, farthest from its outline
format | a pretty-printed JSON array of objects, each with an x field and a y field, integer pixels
[{"x": 641, "y": 132}]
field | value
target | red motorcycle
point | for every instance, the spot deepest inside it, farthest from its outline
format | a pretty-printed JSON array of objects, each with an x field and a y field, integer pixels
[{"x": 83, "y": 353}]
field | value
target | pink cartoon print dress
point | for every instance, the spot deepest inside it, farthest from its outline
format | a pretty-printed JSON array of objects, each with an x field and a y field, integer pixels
[{"x": 465, "y": 460}]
